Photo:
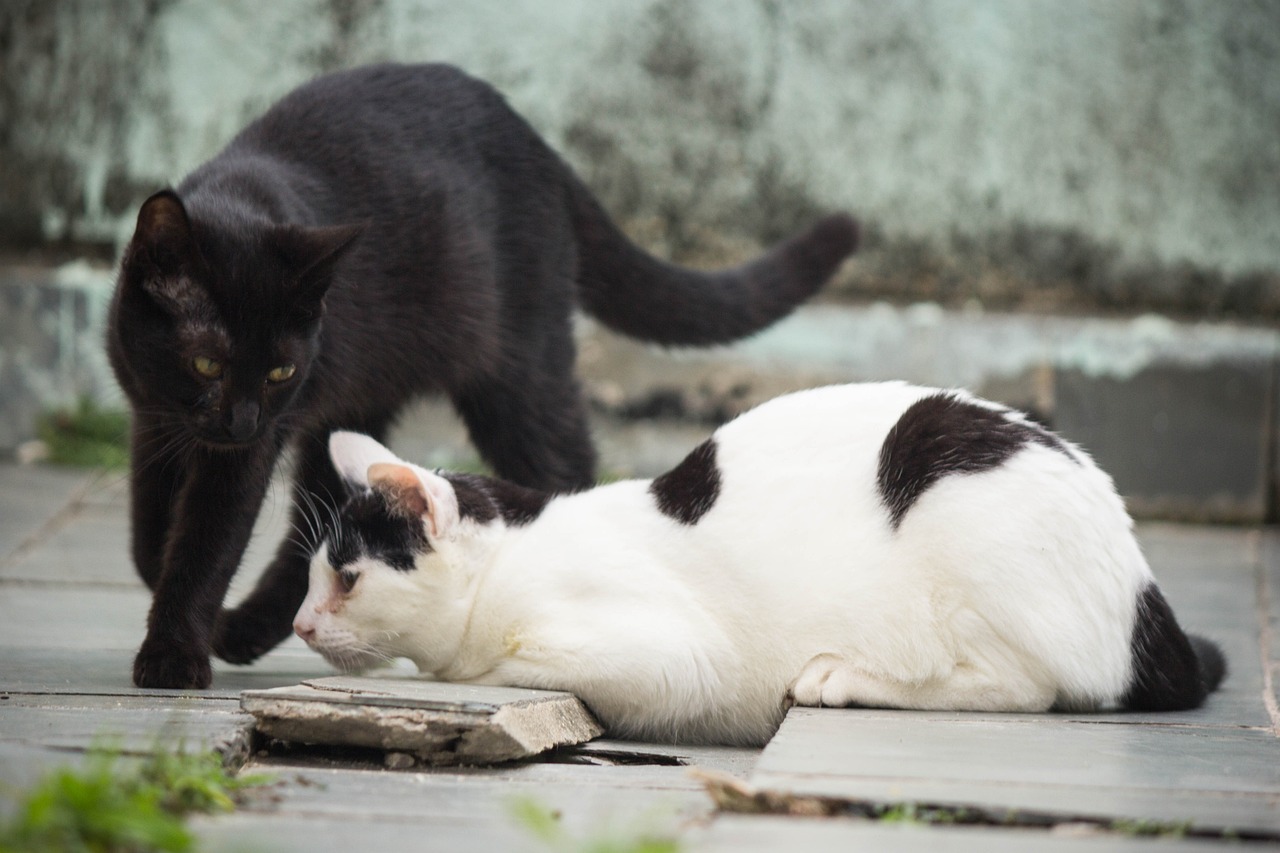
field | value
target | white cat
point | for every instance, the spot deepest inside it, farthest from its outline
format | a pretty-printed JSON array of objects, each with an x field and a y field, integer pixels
[{"x": 878, "y": 544}]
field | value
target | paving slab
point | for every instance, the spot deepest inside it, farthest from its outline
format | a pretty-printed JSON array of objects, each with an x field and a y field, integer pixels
[
  {"x": 107, "y": 672},
  {"x": 1213, "y": 777},
  {"x": 438, "y": 722},
  {"x": 131, "y": 723},
  {"x": 757, "y": 834},
  {"x": 30, "y": 498},
  {"x": 457, "y": 809}
]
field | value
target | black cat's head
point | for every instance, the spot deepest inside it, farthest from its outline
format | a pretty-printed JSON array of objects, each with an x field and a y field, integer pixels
[{"x": 216, "y": 319}]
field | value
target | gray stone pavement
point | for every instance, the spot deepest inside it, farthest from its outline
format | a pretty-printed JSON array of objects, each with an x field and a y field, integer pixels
[{"x": 72, "y": 614}]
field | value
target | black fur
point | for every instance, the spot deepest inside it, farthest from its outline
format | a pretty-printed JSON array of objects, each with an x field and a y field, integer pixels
[
  {"x": 1171, "y": 670},
  {"x": 943, "y": 434},
  {"x": 370, "y": 528},
  {"x": 486, "y": 498},
  {"x": 688, "y": 491},
  {"x": 389, "y": 231}
]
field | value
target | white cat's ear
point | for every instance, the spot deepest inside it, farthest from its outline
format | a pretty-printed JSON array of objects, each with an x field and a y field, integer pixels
[
  {"x": 415, "y": 492},
  {"x": 353, "y": 453}
]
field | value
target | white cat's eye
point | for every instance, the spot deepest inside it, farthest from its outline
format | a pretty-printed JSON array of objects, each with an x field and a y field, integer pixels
[
  {"x": 206, "y": 367},
  {"x": 347, "y": 579},
  {"x": 280, "y": 374}
]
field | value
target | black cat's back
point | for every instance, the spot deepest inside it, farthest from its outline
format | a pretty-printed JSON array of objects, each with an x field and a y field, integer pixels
[{"x": 448, "y": 144}]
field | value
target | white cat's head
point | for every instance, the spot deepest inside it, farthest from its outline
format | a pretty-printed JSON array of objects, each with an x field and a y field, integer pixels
[{"x": 392, "y": 579}]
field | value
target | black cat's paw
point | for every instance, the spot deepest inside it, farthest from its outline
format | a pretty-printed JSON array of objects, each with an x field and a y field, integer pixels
[
  {"x": 171, "y": 668},
  {"x": 240, "y": 638}
]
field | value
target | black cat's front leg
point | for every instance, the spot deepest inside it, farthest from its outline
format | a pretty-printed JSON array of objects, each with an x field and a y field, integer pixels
[
  {"x": 155, "y": 476},
  {"x": 265, "y": 617},
  {"x": 212, "y": 521}
]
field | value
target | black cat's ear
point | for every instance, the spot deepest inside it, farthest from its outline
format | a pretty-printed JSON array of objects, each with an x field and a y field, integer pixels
[
  {"x": 312, "y": 253},
  {"x": 162, "y": 244},
  {"x": 161, "y": 258}
]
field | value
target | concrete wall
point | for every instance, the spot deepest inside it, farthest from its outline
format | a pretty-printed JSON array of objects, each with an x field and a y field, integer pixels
[
  {"x": 1010, "y": 152},
  {"x": 1123, "y": 151}
]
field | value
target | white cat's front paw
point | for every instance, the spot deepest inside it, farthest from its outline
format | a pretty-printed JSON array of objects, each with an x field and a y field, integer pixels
[
  {"x": 829, "y": 681},
  {"x": 811, "y": 687}
]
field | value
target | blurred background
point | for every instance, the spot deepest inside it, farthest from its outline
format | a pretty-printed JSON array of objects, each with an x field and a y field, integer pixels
[{"x": 1070, "y": 207}]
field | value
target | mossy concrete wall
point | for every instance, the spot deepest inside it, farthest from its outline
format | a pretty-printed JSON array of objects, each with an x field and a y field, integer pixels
[{"x": 1010, "y": 150}]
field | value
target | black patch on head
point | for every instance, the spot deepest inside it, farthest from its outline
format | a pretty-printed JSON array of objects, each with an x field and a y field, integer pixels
[
  {"x": 485, "y": 498},
  {"x": 371, "y": 528},
  {"x": 1171, "y": 671},
  {"x": 689, "y": 490},
  {"x": 943, "y": 434}
]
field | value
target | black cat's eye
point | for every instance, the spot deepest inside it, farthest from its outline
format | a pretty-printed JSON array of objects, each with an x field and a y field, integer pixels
[
  {"x": 282, "y": 373},
  {"x": 347, "y": 579},
  {"x": 206, "y": 367}
]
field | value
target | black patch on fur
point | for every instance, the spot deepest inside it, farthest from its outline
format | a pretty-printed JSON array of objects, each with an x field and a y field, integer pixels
[
  {"x": 1171, "y": 671},
  {"x": 943, "y": 434},
  {"x": 485, "y": 498},
  {"x": 689, "y": 490},
  {"x": 369, "y": 527}
]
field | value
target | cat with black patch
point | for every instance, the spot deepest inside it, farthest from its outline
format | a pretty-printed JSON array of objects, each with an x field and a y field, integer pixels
[
  {"x": 882, "y": 545},
  {"x": 378, "y": 234}
]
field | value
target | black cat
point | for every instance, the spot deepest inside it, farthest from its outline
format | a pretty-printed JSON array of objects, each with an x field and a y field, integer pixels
[{"x": 378, "y": 234}]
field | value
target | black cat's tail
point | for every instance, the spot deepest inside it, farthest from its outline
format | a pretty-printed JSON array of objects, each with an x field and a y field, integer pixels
[
  {"x": 634, "y": 293},
  {"x": 1171, "y": 671}
]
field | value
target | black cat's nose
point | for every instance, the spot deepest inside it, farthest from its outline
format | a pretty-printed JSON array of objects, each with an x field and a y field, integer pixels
[{"x": 244, "y": 420}]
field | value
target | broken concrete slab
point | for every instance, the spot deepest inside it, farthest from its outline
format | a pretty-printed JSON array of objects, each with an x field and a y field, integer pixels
[{"x": 438, "y": 722}]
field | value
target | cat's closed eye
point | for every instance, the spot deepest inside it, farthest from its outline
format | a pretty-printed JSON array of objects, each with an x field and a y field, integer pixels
[
  {"x": 206, "y": 367},
  {"x": 282, "y": 373},
  {"x": 347, "y": 579}
]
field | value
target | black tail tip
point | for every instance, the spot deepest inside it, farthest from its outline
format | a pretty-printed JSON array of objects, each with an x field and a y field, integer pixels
[
  {"x": 814, "y": 255},
  {"x": 838, "y": 232},
  {"x": 1213, "y": 665}
]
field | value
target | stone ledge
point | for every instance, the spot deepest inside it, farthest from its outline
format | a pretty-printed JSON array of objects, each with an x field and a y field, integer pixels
[{"x": 1181, "y": 414}]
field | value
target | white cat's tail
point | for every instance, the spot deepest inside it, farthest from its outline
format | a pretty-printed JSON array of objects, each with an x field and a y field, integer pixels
[{"x": 1171, "y": 670}]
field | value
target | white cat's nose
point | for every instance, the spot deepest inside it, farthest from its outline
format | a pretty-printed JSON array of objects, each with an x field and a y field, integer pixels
[{"x": 305, "y": 630}]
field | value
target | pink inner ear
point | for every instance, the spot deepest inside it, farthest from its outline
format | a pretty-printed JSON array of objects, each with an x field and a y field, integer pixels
[{"x": 402, "y": 487}]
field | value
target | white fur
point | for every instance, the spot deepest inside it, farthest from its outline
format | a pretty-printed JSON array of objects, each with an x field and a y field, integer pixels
[{"x": 1012, "y": 589}]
